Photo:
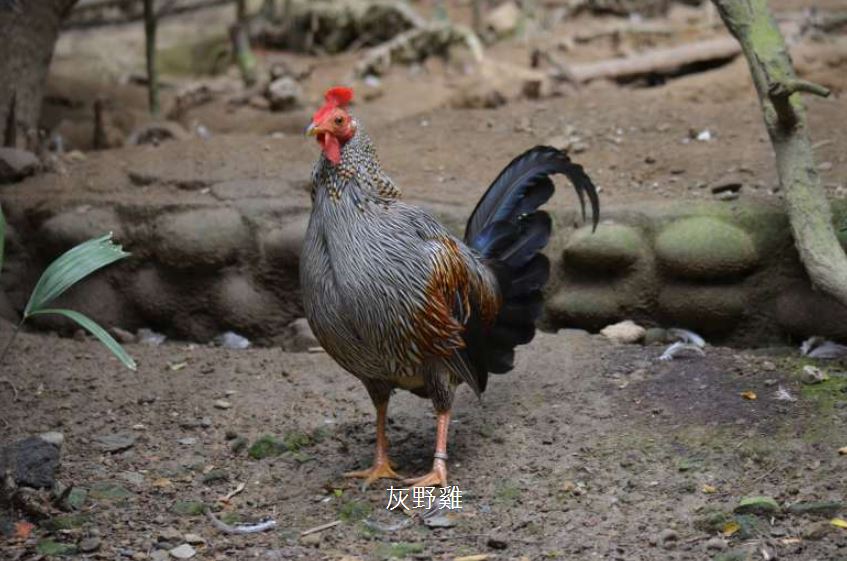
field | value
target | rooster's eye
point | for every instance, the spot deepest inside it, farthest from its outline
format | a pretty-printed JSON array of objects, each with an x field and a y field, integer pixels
[{"x": 339, "y": 120}]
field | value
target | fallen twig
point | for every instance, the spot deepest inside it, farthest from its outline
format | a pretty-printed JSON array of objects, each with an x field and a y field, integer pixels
[
  {"x": 416, "y": 44},
  {"x": 320, "y": 528},
  {"x": 14, "y": 389},
  {"x": 664, "y": 61},
  {"x": 240, "y": 528},
  {"x": 240, "y": 487}
]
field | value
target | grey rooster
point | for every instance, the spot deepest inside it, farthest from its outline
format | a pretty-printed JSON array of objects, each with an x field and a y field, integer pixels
[{"x": 400, "y": 302}]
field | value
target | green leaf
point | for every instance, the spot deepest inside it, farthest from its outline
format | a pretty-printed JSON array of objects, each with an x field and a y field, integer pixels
[
  {"x": 95, "y": 330},
  {"x": 71, "y": 267}
]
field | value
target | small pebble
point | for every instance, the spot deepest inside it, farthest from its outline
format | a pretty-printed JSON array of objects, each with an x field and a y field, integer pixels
[
  {"x": 716, "y": 544},
  {"x": 89, "y": 544},
  {"x": 222, "y": 404},
  {"x": 183, "y": 551}
]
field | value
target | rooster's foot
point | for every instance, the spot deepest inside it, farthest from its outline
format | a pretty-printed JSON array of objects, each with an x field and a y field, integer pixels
[
  {"x": 380, "y": 470},
  {"x": 435, "y": 478}
]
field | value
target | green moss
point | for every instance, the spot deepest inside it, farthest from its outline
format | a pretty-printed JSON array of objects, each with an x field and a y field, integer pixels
[
  {"x": 189, "y": 508},
  {"x": 758, "y": 505},
  {"x": 703, "y": 247},
  {"x": 109, "y": 491},
  {"x": 507, "y": 494},
  {"x": 266, "y": 446},
  {"x": 353, "y": 511},
  {"x": 52, "y": 548},
  {"x": 612, "y": 248},
  {"x": 397, "y": 550},
  {"x": 66, "y": 522}
]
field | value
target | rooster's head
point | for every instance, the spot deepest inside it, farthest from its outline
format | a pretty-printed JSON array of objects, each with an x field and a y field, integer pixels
[{"x": 331, "y": 125}]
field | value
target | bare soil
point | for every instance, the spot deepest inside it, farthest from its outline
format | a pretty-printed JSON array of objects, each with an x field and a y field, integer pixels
[{"x": 586, "y": 451}]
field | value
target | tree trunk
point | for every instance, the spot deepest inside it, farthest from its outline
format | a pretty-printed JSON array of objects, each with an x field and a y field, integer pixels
[
  {"x": 29, "y": 30},
  {"x": 779, "y": 91}
]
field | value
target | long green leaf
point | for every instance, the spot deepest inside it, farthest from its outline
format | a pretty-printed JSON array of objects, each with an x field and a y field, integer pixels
[
  {"x": 71, "y": 267},
  {"x": 2, "y": 237},
  {"x": 95, "y": 330}
]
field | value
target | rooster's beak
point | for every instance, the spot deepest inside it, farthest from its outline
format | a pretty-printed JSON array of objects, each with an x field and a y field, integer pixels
[{"x": 312, "y": 130}]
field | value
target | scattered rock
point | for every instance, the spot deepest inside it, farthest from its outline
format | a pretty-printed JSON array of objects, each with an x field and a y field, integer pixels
[
  {"x": 183, "y": 551},
  {"x": 159, "y": 555},
  {"x": 55, "y": 438},
  {"x": 113, "y": 443},
  {"x": 284, "y": 93},
  {"x": 667, "y": 538},
  {"x": 17, "y": 164},
  {"x": 626, "y": 332},
  {"x": 238, "y": 444},
  {"x": 123, "y": 336},
  {"x": 313, "y": 540},
  {"x": 222, "y": 404},
  {"x": 150, "y": 337},
  {"x": 504, "y": 19},
  {"x": 194, "y": 539},
  {"x": 157, "y": 132},
  {"x": 757, "y": 505},
  {"x": 231, "y": 340},
  {"x": 89, "y": 544},
  {"x": 813, "y": 375},
  {"x": 716, "y": 544},
  {"x": 31, "y": 462},
  {"x": 169, "y": 534},
  {"x": 495, "y": 543}
]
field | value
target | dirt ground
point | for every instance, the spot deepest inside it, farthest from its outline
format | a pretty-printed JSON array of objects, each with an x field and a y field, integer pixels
[{"x": 586, "y": 451}]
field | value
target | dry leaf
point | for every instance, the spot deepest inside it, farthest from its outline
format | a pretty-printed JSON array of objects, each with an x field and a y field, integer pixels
[
  {"x": 176, "y": 366},
  {"x": 479, "y": 557},
  {"x": 790, "y": 541},
  {"x": 162, "y": 482},
  {"x": 569, "y": 486},
  {"x": 731, "y": 528},
  {"x": 23, "y": 529},
  {"x": 748, "y": 395},
  {"x": 839, "y": 523},
  {"x": 709, "y": 489}
]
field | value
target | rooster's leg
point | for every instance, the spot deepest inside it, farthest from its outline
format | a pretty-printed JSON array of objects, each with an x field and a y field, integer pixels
[
  {"x": 437, "y": 477},
  {"x": 382, "y": 465}
]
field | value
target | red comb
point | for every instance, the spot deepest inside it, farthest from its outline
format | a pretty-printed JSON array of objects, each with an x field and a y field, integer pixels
[{"x": 339, "y": 96}]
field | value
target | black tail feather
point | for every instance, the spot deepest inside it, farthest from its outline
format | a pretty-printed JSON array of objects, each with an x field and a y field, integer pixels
[{"x": 508, "y": 230}]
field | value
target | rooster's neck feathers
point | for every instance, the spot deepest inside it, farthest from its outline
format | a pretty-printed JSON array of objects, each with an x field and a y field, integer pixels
[{"x": 359, "y": 171}]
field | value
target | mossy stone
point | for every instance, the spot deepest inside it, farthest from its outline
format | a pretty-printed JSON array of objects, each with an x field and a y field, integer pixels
[
  {"x": 705, "y": 248},
  {"x": 712, "y": 309},
  {"x": 586, "y": 307},
  {"x": 757, "y": 505},
  {"x": 612, "y": 248},
  {"x": 816, "y": 508}
]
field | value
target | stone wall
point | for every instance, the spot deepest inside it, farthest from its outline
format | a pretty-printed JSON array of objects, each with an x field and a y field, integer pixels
[
  {"x": 215, "y": 248},
  {"x": 729, "y": 271}
]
